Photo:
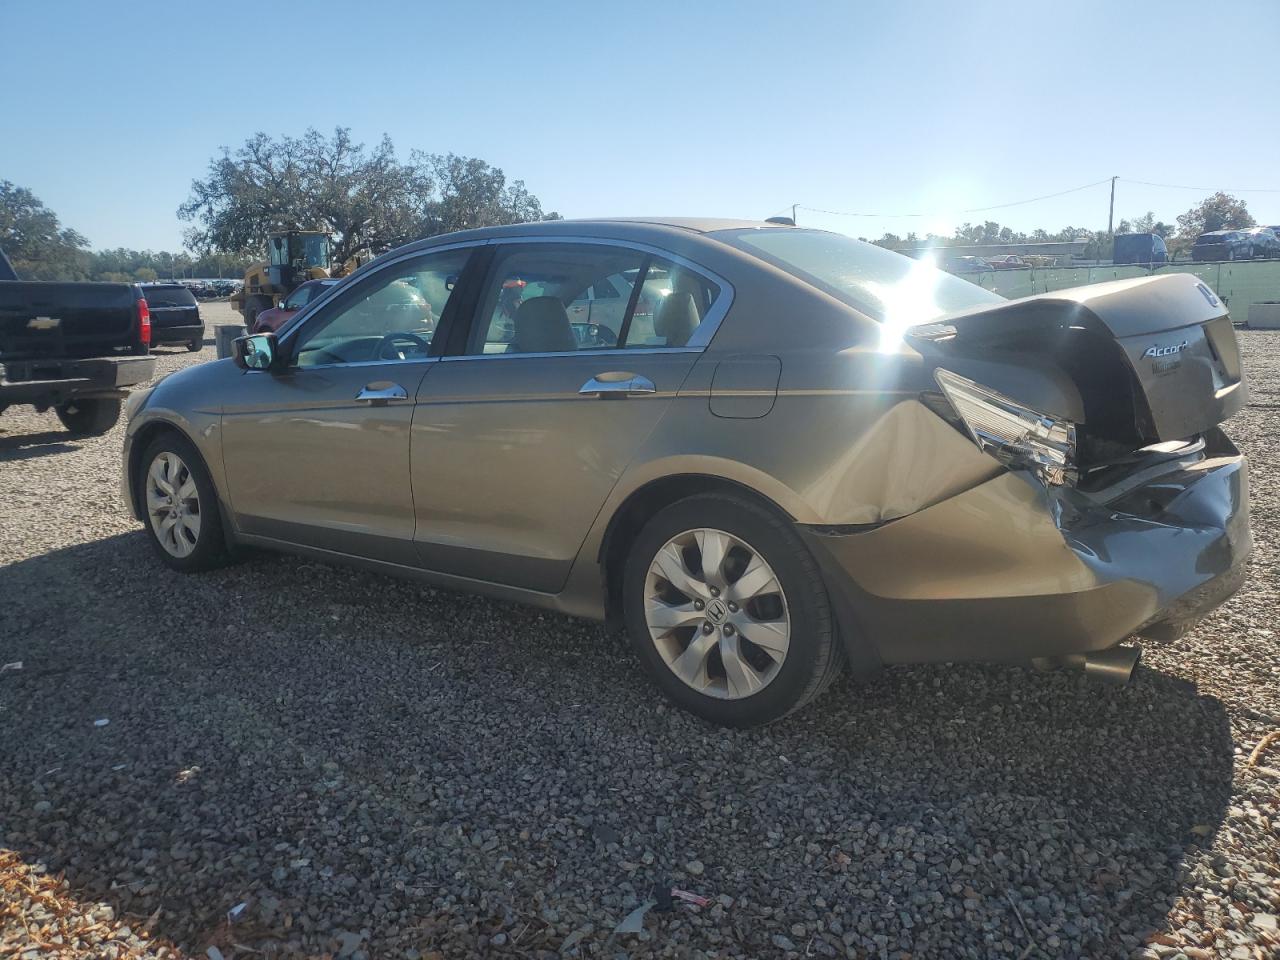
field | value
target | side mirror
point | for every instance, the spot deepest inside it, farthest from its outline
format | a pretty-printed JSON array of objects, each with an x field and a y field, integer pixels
[{"x": 257, "y": 352}]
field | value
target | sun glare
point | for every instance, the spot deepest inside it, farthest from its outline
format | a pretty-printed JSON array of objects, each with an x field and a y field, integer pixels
[{"x": 908, "y": 302}]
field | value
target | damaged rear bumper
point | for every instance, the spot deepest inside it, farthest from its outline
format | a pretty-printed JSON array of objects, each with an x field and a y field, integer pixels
[{"x": 1012, "y": 569}]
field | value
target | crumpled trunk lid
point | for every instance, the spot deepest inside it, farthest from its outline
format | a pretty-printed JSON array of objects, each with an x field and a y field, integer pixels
[{"x": 1132, "y": 362}]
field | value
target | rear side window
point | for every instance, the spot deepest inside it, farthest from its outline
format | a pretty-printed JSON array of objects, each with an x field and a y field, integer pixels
[
  {"x": 168, "y": 297},
  {"x": 537, "y": 299},
  {"x": 672, "y": 304}
]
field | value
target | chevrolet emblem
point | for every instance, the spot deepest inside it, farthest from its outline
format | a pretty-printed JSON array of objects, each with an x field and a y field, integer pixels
[{"x": 43, "y": 323}]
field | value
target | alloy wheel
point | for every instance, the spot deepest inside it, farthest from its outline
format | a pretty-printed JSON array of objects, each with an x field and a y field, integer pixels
[
  {"x": 717, "y": 613},
  {"x": 173, "y": 504}
]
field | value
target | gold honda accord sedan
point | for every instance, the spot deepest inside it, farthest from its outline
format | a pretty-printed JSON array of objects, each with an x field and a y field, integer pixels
[{"x": 768, "y": 452}]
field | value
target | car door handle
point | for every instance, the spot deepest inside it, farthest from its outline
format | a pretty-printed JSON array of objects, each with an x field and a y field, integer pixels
[
  {"x": 617, "y": 384},
  {"x": 380, "y": 394}
]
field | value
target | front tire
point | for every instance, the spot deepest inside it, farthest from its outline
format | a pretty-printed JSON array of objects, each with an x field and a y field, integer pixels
[
  {"x": 252, "y": 307},
  {"x": 195, "y": 344},
  {"x": 727, "y": 609},
  {"x": 180, "y": 505},
  {"x": 90, "y": 417}
]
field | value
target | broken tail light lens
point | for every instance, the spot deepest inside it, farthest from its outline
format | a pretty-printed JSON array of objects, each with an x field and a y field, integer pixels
[{"x": 1016, "y": 435}]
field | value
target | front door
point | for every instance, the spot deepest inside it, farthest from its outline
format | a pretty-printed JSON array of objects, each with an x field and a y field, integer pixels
[
  {"x": 519, "y": 439},
  {"x": 318, "y": 453}
]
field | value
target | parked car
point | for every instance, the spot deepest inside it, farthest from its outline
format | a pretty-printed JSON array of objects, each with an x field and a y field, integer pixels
[
  {"x": 75, "y": 347},
  {"x": 275, "y": 317},
  {"x": 1224, "y": 245},
  {"x": 818, "y": 451},
  {"x": 1008, "y": 262},
  {"x": 1264, "y": 242},
  {"x": 1144, "y": 248},
  {"x": 175, "y": 315},
  {"x": 965, "y": 265}
]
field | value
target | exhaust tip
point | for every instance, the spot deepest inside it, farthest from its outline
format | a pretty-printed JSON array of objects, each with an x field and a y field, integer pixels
[{"x": 1115, "y": 665}]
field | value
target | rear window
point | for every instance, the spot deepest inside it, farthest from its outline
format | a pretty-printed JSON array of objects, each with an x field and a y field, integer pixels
[
  {"x": 886, "y": 286},
  {"x": 168, "y": 297}
]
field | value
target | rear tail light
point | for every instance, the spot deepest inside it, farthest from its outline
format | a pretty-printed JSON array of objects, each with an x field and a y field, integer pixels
[
  {"x": 1016, "y": 435},
  {"x": 144, "y": 322}
]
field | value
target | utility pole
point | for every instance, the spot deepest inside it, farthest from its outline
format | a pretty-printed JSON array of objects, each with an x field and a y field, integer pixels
[
  {"x": 793, "y": 213},
  {"x": 1111, "y": 213},
  {"x": 1111, "y": 219}
]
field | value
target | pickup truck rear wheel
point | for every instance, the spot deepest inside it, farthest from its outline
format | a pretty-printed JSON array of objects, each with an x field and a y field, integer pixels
[
  {"x": 89, "y": 417},
  {"x": 180, "y": 506},
  {"x": 195, "y": 344}
]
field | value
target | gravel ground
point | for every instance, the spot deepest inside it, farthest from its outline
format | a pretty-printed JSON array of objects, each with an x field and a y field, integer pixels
[{"x": 375, "y": 769}]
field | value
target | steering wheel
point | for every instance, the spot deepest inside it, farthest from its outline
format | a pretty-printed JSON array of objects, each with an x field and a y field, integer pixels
[
  {"x": 600, "y": 336},
  {"x": 387, "y": 349}
]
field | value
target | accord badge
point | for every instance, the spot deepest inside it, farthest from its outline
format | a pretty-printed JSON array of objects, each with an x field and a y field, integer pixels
[{"x": 1155, "y": 350}]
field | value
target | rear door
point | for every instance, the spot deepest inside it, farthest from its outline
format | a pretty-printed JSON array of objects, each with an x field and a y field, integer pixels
[{"x": 520, "y": 434}]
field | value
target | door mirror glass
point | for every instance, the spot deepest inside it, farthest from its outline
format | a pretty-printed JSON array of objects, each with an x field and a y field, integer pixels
[{"x": 255, "y": 353}]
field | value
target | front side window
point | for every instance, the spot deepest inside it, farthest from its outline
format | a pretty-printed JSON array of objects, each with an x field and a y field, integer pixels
[{"x": 391, "y": 316}]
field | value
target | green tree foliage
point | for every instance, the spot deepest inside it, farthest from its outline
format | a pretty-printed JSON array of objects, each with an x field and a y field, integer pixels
[
  {"x": 39, "y": 247},
  {"x": 1221, "y": 211},
  {"x": 365, "y": 199}
]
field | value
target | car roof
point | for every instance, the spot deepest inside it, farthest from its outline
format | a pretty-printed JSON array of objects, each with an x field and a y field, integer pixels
[{"x": 634, "y": 228}]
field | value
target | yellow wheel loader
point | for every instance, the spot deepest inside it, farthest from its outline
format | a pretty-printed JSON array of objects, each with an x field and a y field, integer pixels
[{"x": 293, "y": 257}]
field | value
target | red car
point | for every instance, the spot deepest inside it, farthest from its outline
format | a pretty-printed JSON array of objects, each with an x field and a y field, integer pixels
[{"x": 269, "y": 321}]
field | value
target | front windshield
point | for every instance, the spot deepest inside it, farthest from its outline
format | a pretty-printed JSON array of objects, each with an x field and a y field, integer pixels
[{"x": 897, "y": 291}]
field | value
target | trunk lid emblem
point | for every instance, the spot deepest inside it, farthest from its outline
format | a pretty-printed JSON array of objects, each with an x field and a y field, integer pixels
[{"x": 1155, "y": 350}]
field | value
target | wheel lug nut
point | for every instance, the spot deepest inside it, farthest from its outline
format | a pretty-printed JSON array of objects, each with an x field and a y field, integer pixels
[
  {"x": 707, "y": 627},
  {"x": 698, "y": 604},
  {"x": 728, "y": 629},
  {"x": 715, "y": 591},
  {"x": 733, "y": 607}
]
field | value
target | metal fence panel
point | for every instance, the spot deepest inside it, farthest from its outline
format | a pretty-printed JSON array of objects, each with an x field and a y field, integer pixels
[{"x": 1239, "y": 283}]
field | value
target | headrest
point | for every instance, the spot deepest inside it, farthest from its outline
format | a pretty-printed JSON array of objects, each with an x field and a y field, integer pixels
[
  {"x": 676, "y": 320},
  {"x": 542, "y": 326}
]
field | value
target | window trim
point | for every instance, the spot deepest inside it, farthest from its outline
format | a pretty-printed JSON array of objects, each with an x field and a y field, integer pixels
[
  {"x": 700, "y": 340},
  {"x": 460, "y": 326}
]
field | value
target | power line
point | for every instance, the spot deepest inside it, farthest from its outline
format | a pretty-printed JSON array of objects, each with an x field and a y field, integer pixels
[
  {"x": 998, "y": 206},
  {"x": 1179, "y": 186}
]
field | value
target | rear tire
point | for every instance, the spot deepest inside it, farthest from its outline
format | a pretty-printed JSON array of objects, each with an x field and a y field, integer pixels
[
  {"x": 195, "y": 344},
  {"x": 89, "y": 417},
  {"x": 790, "y": 673},
  {"x": 179, "y": 505}
]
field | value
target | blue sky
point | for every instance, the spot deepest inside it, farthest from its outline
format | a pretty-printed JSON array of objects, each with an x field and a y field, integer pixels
[{"x": 728, "y": 109}]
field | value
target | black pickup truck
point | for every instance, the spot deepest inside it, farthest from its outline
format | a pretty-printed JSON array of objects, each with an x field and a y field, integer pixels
[{"x": 75, "y": 347}]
